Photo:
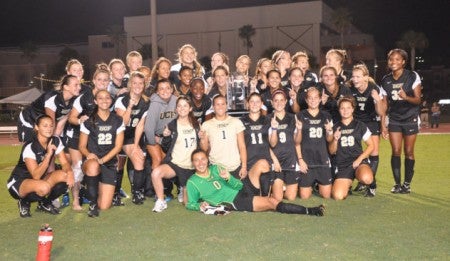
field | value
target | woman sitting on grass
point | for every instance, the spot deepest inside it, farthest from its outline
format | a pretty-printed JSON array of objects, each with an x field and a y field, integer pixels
[
  {"x": 31, "y": 180},
  {"x": 101, "y": 140},
  {"x": 213, "y": 186}
]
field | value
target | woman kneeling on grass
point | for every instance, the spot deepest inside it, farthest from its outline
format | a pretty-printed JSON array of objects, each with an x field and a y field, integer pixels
[
  {"x": 30, "y": 180},
  {"x": 101, "y": 139},
  {"x": 213, "y": 185},
  {"x": 351, "y": 160}
]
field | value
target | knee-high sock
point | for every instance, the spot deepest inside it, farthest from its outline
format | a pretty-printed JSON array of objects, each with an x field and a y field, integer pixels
[
  {"x": 289, "y": 208},
  {"x": 33, "y": 197},
  {"x": 92, "y": 188},
  {"x": 138, "y": 180},
  {"x": 265, "y": 181},
  {"x": 409, "y": 170},
  {"x": 130, "y": 171},
  {"x": 119, "y": 177},
  {"x": 395, "y": 165},
  {"x": 374, "y": 166},
  {"x": 59, "y": 189}
]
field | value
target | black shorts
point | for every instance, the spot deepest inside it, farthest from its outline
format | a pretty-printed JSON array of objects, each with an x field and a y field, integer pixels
[
  {"x": 182, "y": 174},
  {"x": 108, "y": 174},
  {"x": 244, "y": 199},
  {"x": 409, "y": 127},
  {"x": 13, "y": 184},
  {"x": 253, "y": 161},
  {"x": 319, "y": 175},
  {"x": 25, "y": 130},
  {"x": 289, "y": 177},
  {"x": 374, "y": 127},
  {"x": 348, "y": 172},
  {"x": 235, "y": 173},
  {"x": 73, "y": 142}
]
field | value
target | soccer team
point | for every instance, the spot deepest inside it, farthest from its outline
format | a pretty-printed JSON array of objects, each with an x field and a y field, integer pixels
[{"x": 223, "y": 138}]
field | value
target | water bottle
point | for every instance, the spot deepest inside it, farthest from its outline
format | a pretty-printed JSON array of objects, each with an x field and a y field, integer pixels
[{"x": 44, "y": 243}]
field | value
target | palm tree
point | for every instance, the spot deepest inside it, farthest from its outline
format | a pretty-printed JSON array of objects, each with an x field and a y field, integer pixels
[
  {"x": 413, "y": 40},
  {"x": 117, "y": 35},
  {"x": 29, "y": 51},
  {"x": 246, "y": 33},
  {"x": 342, "y": 20}
]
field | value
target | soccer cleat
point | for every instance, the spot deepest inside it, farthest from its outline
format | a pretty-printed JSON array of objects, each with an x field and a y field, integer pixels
[
  {"x": 24, "y": 208},
  {"x": 117, "y": 200},
  {"x": 160, "y": 205},
  {"x": 123, "y": 194},
  {"x": 370, "y": 193},
  {"x": 48, "y": 207},
  {"x": 396, "y": 189},
  {"x": 317, "y": 211},
  {"x": 360, "y": 187},
  {"x": 93, "y": 210},
  {"x": 406, "y": 189},
  {"x": 180, "y": 195},
  {"x": 137, "y": 198}
]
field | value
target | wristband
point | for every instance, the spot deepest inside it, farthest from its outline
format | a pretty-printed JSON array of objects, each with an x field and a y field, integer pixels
[{"x": 274, "y": 128}]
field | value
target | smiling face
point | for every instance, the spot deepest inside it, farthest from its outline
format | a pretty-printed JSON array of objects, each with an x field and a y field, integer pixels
[
  {"x": 284, "y": 62},
  {"x": 117, "y": 71},
  {"x": 220, "y": 106},
  {"x": 103, "y": 100},
  {"x": 137, "y": 85},
  {"x": 302, "y": 63},
  {"x": 359, "y": 80},
  {"x": 396, "y": 62},
  {"x": 279, "y": 102},
  {"x": 266, "y": 66},
  {"x": 346, "y": 110},
  {"x": 186, "y": 77},
  {"x": 183, "y": 107},
  {"x": 197, "y": 90},
  {"x": 274, "y": 79},
  {"x": 313, "y": 98},
  {"x": 332, "y": 59},
  {"x": 164, "y": 90},
  {"x": 200, "y": 162},
  {"x": 216, "y": 60},
  {"x": 73, "y": 87},
  {"x": 255, "y": 103},
  {"x": 101, "y": 81},
  {"x": 220, "y": 77},
  {"x": 76, "y": 69},
  {"x": 44, "y": 127},
  {"x": 296, "y": 77},
  {"x": 164, "y": 70},
  {"x": 242, "y": 65},
  {"x": 187, "y": 56},
  {"x": 134, "y": 63},
  {"x": 328, "y": 77}
]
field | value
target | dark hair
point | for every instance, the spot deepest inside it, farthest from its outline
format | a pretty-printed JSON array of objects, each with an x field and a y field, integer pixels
[
  {"x": 41, "y": 118},
  {"x": 220, "y": 67},
  {"x": 66, "y": 79},
  {"x": 196, "y": 151},
  {"x": 401, "y": 52},
  {"x": 313, "y": 88},
  {"x": 217, "y": 97},
  {"x": 254, "y": 94},
  {"x": 295, "y": 69},
  {"x": 272, "y": 71},
  {"x": 347, "y": 98},
  {"x": 278, "y": 91},
  {"x": 196, "y": 79},
  {"x": 184, "y": 68},
  {"x": 192, "y": 120},
  {"x": 161, "y": 81}
]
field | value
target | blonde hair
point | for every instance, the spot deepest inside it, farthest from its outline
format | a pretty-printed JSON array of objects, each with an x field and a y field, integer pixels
[
  {"x": 259, "y": 65},
  {"x": 101, "y": 68},
  {"x": 298, "y": 55},
  {"x": 133, "y": 54},
  {"x": 341, "y": 54},
  {"x": 72, "y": 62},
  {"x": 139, "y": 75},
  {"x": 155, "y": 69},
  {"x": 365, "y": 71},
  {"x": 115, "y": 61},
  {"x": 197, "y": 70},
  {"x": 224, "y": 57}
]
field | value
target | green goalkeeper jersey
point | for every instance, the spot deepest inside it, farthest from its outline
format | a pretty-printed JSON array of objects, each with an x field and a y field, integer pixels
[{"x": 212, "y": 189}]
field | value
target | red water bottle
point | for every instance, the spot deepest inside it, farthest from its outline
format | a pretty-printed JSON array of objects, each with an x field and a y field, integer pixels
[{"x": 44, "y": 243}]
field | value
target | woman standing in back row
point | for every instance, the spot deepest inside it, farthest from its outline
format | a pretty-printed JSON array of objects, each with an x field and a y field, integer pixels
[{"x": 403, "y": 88}]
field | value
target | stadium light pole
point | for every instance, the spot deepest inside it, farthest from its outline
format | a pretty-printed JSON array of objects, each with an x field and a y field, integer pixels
[{"x": 153, "y": 30}]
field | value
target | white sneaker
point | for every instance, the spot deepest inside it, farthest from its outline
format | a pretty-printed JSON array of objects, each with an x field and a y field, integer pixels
[
  {"x": 160, "y": 205},
  {"x": 56, "y": 203},
  {"x": 180, "y": 195}
]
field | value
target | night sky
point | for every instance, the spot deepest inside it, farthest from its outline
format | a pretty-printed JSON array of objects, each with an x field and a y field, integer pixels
[{"x": 67, "y": 21}]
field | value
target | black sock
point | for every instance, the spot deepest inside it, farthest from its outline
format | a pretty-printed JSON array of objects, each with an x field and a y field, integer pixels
[
  {"x": 409, "y": 170},
  {"x": 130, "y": 171},
  {"x": 374, "y": 166},
  {"x": 138, "y": 180},
  {"x": 288, "y": 208},
  {"x": 33, "y": 197},
  {"x": 265, "y": 181},
  {"x": 59, "y": 189},
  {"x": 395, "y": 165},
  {"x": 92, "y": 188}
]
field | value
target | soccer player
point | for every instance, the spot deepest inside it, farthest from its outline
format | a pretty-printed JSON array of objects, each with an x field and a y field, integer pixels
[
  {"x": 370, "y": 109},
  {"x": 31, "y": 179},
  {"x": 312, "y": 151},
  {"x": 336, "y": 58},
  {"x": 201, "y": 103},
  {"x": 351, "y": 159},
  {"x": 285, "y": 148},
  {"x": 182, "y": 135},
  {"x": 223, "y": 137},
  {"x": 83, "y": 107},
  {"x": 403, "y": 88},
  {"x": 259, "y": 155},
  {"x": 133, "y": 107},
  {"x": 101, "y": 139},
  {"x": 56, "y": 104},
  {"x": 186, "y": 56},
  {"x": 212, "y": 186}
]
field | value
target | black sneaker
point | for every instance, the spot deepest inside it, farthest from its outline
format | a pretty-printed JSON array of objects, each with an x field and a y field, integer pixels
[
  {"x": 24, "y": 208},
  {"x": 48, "y": 207},
  {"x": 317, "y": 211},
  {"x": 93, "y": 210},
  {"x": 360, "y": 187},
  {"x": 137, "y": 198},
  {"x": 396, "y": 189},
  {"x": 406, "y": 189},
  {"x": 370, "y": 192},
  {"x": 117, "y": 200}
]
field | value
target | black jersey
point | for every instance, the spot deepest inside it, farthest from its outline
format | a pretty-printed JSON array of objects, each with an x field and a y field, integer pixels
[
  {"x": 343, "y": 77},
  {"x": 331, "y": 105},
  {"x": 267, "y": 100},
  {"x": 256, "y": 135},
  {"x": 350, "y": 143},
  {"x": 309, "y": 80},
  {"x": 204, "y": 109},
  {"x": 53, "y": 100},
  {"x": 138, "y": 112},
  {"x": 34, "y": 150},
  {"x": 85, "y": 105},
  {"x": 399, "y": 109},
  {"x": 365, "y": 105},
  {"x": 314, "y": 144},
  {"x": 285, "y": 148},
  {"x": 102, "y": 134}
]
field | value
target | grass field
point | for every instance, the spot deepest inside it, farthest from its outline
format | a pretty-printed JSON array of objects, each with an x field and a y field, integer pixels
[{"x": 387, "y": 227}]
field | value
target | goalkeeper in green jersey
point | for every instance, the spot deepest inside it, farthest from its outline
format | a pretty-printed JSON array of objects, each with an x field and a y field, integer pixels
[{"x": 212, "y": 185}]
